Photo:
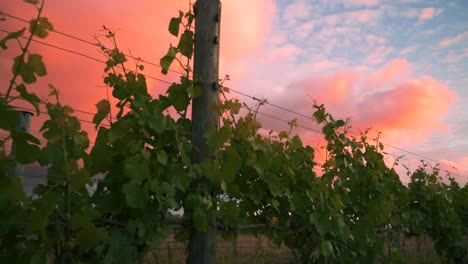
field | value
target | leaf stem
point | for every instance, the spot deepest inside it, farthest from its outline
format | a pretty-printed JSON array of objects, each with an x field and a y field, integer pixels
[
  {"x": 230, "y": 110},
  {"x": 24, "y": 51},
  {"x": 68, "y": 190}
]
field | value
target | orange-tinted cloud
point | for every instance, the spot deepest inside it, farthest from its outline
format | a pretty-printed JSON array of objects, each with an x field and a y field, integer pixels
[
  {"x": 410, "y": 105},
  {"x": 242, "y": 34},
  {"x": 404, "y": 108},
  {"x": 394, "y": 70},
  {"x": 405, "y": 105},
  {"x": 142, "y": 28},
  {"x": 77, "y": 77},
  {"x": 329, "y": 89}
]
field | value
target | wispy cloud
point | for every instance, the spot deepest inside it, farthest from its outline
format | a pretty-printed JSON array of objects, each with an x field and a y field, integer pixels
[
  {"x": 378, "y": 55},
  {"x": 451, "y": 41},
  {"x": 359, "y": 3},
  {"x": 298, "y": 9},
  {"x": 428, "y": 13},
  {"x": 454, "y": 57},
  {"x": 409, "y": 49},
  {"x": 411, "y": 12}
]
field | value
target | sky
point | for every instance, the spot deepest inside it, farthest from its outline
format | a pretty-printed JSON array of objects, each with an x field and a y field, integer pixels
[{"x": 397, "y": 67}]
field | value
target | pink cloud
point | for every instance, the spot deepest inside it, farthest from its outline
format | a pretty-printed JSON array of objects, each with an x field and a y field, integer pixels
[
  {"x": 78, "y": 78},
  {"x": 284, "y": 53},
  {"x": 394, "y": 70},
  {"x": 450, "y": 41},
  {"x": 454, "y": 57},
  {"x": 428, "y": 13},
  {"x": 457, "y": 169},
  {"x": 296, "y": 10},
  {"x": 353, "y": 18},
  {"x": 367, "y": 3},
  {"x": 374, "y": 39},
  {"x": 378, "y": 54},
  {"x": 409, "y": 49},
  {"x": 411, "y": 12},
  {"x": 405, "y": 106},
  {"x": 303, "y": 31},
  {"x": 145, "y": 34},
  {"x": 241, "y": 35},
  {"x": 406, "y": 109},
  {"x": 410, "y": 105},
  {"x": 142, "y": 27},
  {"x": 333, "y": 88},
  {"x": 323, "y": 65},
  {"x": 455, "y": 165},
  {"x": 364, "y": 16}
]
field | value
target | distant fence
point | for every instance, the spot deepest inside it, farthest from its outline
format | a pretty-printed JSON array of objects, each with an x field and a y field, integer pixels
[
  {"x": 245, "y": 249},
  {"x": 251, "y": 249}
]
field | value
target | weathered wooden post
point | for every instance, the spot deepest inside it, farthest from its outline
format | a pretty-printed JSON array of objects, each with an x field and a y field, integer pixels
[{"x": 202, "y": 249}]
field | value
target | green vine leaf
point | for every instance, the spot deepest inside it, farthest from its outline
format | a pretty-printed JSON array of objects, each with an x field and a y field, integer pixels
[
  {"x": 339, "y": 123},
  {"x": 9, "y": 116},
  {"x": 40, "y": 27},
  {"x": 119, "y": 130},
  {"x": 32, "y": 98},
  {"x": 230, "y": 213},
  {"x": 234, "y": 106},
  {"x": 39, "y": 218},
  {"x": 167, "y": 60},
  {"x": 89, "y": 237},
  {"x": 81, "y": 139},
  {"x": 327, "y": 249},
  {"x": 29, "y": 70},
  {"x": 36, "y": 64},
  {"x": 79, "y": 180},
  {"x": 211, "y": 170},
  {"x": 12, "y": 35},
  {"x": 134, "y": 196},
  {"x": 216, "y": 139},
  {"x": 186, "y": 43},
  {"x": 178, "y": 97},
  {"x": 11, "y": 191},
  {"x": 25, "y": 152},
  {"x": 352, "y": 213},
  {"x": 319, "y": 115},
  {"x": 103, "y": 109},
  {"x": 231, "y": 164},
  {"x": 117, "y": 56},
  {"x": 137, "y": 166},
  {"x": 175, "y": 24},
  {"x": 34, "y": 2},
  {"x": 190, "y": 17},
  {"x": 162, "y": 157}
]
